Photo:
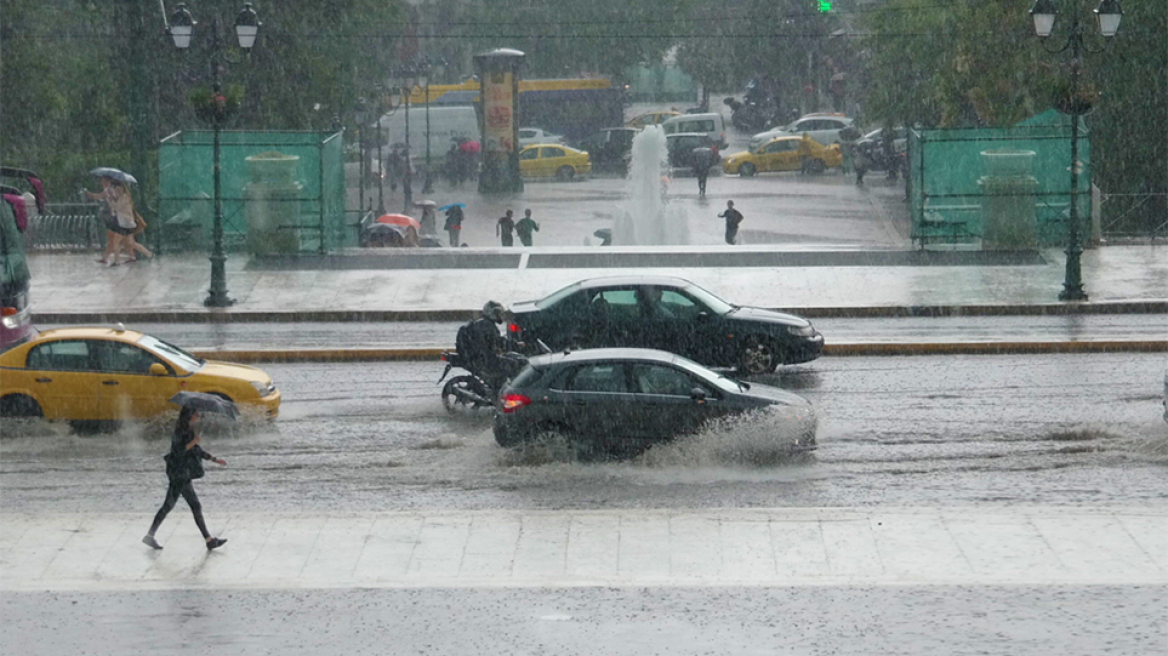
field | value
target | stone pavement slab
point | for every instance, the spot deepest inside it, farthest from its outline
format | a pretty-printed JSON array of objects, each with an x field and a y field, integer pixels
[{"x": 508, "y": 549}]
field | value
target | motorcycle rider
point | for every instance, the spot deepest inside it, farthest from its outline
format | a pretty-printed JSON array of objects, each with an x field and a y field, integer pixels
[{"x": 481, "y": 344}]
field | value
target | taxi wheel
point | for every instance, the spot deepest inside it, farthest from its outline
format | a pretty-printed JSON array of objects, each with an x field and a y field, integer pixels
[
  {"x": 746, "y": 170},
  {"x": 565, "y": 173},
  {"x": 19, "y": 405}
]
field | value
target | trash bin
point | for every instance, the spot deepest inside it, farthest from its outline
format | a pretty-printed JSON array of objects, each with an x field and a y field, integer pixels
[
  {"x": 1008, "y": 209},
  {"x": 272, "y": 207}
]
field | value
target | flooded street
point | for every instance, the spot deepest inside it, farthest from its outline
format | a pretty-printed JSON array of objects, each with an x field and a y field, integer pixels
[{"x": 1079, "y": 430}]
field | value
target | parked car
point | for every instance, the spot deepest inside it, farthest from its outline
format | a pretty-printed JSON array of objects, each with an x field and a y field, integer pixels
[
  {"x": 872, "y": 146},
  {"x": 710, "y": 124},
  {"x": 528, "y": 136},
  {"x": 107, "y": 374},
  {"x": 666, "y": 313},
  {"x": 680, "y": 147},
  {"x": 781, "y": 154},
  {"x": 824, "y": 128},
  {"x": 550, "y": 160},
  {"x": 624, "y": 400},
  {"x": 650, "y": 118},
  {"x": 608, "y": 148}
]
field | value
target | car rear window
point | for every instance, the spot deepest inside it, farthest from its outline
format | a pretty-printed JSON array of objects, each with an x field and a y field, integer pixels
[
  {"x": 526, "y": 377},
  {"x": 556, "y": 297}
]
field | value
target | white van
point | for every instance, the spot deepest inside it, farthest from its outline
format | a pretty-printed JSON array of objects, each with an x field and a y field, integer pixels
[
  {"x": 711, "y": 124},
  {"x": 446, "y": 123}
]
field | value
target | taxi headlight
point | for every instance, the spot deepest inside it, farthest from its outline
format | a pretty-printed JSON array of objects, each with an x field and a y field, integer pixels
[{"x": 263, "y": 389}]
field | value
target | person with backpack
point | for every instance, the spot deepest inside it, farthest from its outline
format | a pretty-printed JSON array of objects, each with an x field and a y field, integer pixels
[
  {"x": 480, "y": 343},
  {"x": 184, "y": 464}
]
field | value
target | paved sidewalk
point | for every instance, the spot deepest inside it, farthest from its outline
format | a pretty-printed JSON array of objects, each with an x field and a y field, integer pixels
[
  {"x": 756, "y": 547},
  {"x": 73, "y": 286}
]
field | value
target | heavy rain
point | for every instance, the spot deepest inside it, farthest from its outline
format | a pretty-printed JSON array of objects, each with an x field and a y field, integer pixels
[{"x": 523, "y": 327}]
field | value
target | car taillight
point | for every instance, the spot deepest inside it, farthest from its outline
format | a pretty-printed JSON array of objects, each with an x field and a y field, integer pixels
[
  {"x": 512, "y": 402},
  {"x": 513, "y": 327},
  {"x": 8, "y": 311}
]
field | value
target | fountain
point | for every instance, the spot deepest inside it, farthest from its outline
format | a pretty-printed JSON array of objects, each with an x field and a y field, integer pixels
[{"x": 646, "y": 217}]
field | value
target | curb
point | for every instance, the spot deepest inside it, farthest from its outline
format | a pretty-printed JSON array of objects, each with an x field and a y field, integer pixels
[
  {"x": 830, "y": 350},
  {"x": 343, "y": 316}
]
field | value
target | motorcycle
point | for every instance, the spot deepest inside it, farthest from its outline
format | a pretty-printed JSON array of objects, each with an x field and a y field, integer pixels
[{"x": 475, "y": 392}]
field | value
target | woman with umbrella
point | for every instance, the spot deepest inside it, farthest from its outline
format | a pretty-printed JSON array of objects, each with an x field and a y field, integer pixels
[
  {"x": 454, "y": 219},
  {"x": 184, "y": 462},
  {"x": 122, "y": 223}
]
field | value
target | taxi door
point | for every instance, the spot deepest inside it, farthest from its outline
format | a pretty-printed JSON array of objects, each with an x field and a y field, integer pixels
[
  {"x": 63, "y": 374},
  {"x": 132, "y": 391}
]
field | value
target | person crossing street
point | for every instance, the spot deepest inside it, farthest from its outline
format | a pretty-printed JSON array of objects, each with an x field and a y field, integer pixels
[{"x": 524, "y": 228}]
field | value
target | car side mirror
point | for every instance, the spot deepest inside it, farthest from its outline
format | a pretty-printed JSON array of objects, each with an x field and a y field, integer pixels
[
  {"x": 157, "y": 369},
  {"x": 697, "y": 394}
]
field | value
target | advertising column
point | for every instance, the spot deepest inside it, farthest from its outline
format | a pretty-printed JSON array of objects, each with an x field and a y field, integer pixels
[{"x": 498, "y": 73}]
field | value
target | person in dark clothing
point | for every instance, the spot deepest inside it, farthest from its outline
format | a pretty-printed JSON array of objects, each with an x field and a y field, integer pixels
[
  {"x": 733, "y": 218},
  {"x": 184, "y": 464},
  {"x": 453, "y": 226},
  {"x": 524, "y": 227},
  {"x": 482, "y": 345},
  {"x": 505, "y": 228},
  {"x": 861, "y": 164},
  {"x": 703, "y": 159}
]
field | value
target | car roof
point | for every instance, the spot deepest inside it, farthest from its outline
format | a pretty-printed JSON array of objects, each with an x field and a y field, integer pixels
[
  {"x": 594, "y": 355},
  {"x": 688, "y": 134},
  {"x": 620, "y": 281},
  {"x": 546, "y": 145},
  {"x": 88, "y": 332}
]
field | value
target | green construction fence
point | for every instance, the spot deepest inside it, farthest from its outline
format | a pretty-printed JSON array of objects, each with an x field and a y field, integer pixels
[
  {"x": 946, "y": 165},
  {"x": 306, "y": 214}
]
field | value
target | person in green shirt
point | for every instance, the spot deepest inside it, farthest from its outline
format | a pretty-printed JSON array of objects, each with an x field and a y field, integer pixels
[{"x": 525, "y": 226}]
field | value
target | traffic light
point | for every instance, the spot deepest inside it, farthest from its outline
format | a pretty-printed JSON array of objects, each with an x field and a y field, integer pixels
[{"x": 824, "y": 5}]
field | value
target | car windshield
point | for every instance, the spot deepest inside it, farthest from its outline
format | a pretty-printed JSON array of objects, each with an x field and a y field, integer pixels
[
  {"x": 716, "y": 305},
  {"x": 171, "y": 352}
]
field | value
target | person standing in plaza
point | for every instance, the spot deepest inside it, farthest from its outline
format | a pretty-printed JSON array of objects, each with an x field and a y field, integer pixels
[
  {"x": 505, "y": 229},
  {"x": 733, "y": 219},
  {"x": 453, "y": 226},
  {"x": 703, "y": 159},
  {"x": 183, "y": 465},
  {"x": 524, "y": 228}
]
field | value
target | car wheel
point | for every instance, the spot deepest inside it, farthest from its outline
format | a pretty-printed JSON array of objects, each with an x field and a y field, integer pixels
[
  {"x": 757, "y": 356},
  {"x": 565, "y": 173},
  {"x": 465, "y": 396},
  {"x": 746, "y": 170},
  {"x": 19, "y": 405},
  {"x": 818, "y": 166}
]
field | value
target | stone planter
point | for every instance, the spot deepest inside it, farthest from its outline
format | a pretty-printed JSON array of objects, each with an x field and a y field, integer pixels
[
  {"x": 272, "y": 205},
  {"x": 1009, "y": 217}
]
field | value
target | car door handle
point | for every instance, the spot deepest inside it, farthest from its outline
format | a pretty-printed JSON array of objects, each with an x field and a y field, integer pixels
[
  {"x": 44, "y": 380},
  {"x": 109, "y": 382}
]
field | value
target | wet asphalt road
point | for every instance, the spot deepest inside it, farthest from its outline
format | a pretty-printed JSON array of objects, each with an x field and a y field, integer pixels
[
  {"x": 908, "y": 431},
  {"x": 848, "y": 621}
]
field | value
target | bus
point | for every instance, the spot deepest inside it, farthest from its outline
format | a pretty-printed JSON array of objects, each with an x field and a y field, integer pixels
[{"x": 15, "y": 280}]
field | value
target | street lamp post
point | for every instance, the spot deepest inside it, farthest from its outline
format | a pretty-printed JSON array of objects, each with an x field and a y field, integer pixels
[
  {"x": 424, "y": 80},
  {"x": 1108, "y": 15},
  {"x": 181, "y": 28},
  {"x": 362, "y": 115},
  {"x": 380, "y": 162},
  {"x": 407, "y": 182}
]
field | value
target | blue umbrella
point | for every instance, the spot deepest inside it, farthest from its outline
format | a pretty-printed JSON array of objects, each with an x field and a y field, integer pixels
[
  {"x": 446, "y": 207},
  {"x": 114, "y": 174}
]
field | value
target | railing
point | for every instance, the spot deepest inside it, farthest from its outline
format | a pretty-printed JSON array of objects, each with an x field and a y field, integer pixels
[
  {"x": 66, "y": 227},
  {"x": 1135, "y": 216}
]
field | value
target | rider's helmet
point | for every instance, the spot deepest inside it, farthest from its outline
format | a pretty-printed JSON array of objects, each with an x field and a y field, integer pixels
[{"x": 494, "y": 311}]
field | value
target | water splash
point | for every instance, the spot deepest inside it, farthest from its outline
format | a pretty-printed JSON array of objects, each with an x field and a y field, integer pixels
[{"x": 646, "y": 217}]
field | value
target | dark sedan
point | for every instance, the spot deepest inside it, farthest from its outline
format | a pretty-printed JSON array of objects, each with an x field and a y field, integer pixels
[
  {"x": 609, "y": 148},
  {"x": 666, "y": 313},
  {"x": 623, "y": 400}
]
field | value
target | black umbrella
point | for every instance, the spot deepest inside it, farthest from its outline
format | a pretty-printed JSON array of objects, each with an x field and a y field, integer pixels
[{"x": 202, "y": 402}]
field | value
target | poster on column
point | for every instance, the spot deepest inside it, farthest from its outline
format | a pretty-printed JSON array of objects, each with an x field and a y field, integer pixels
[{"x": 498, "y": 113}]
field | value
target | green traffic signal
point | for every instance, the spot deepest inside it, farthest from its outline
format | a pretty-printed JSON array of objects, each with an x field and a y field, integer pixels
[{"x": 824, "y": 5}]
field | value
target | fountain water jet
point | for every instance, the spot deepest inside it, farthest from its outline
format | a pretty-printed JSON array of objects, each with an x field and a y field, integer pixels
[{"x": 646, "y": 217}]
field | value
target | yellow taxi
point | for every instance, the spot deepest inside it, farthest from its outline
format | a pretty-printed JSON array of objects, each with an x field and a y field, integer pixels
[
  {"x": 553, "y": 161},
  {"x": 109, "y": 374},
  {"x": 781, "y": 154},
  {"x": 650, "y": 118}
]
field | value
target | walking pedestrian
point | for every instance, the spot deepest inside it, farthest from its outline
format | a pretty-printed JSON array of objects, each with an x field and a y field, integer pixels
[
  {"x": 428, "y": 220},
  {"x": 733, "y": 218},
  {"x": 122, "y": 222},
  {"x": 861, "y": 164},
  {"x": 524, "y": 227},
  {"x": 805, "y": 148},
  {"x": 183, "y": 465},
  {"x": 453, "y": 225},
  {"x": 505, "y": 227},
  {"x": 703, "y": 159}
]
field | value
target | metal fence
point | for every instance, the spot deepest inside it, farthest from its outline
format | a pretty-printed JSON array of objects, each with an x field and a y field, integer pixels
[
  {"x": 66, "y": 227},
  {"x": 1134, "y": 216}
]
